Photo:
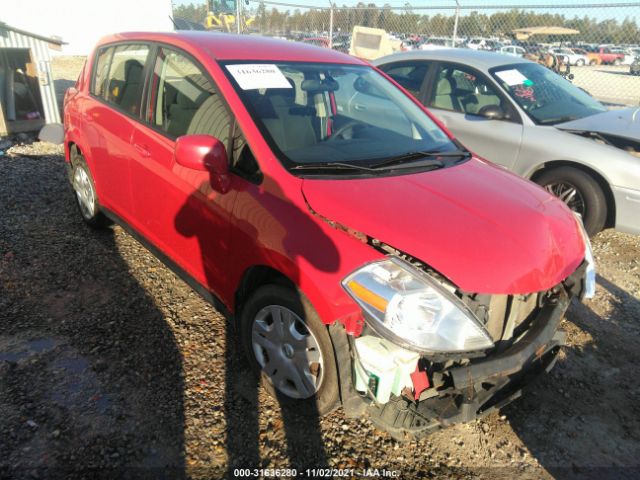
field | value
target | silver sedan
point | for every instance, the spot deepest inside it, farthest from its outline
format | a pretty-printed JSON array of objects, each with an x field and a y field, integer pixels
[{"x": 528, "y": 119}]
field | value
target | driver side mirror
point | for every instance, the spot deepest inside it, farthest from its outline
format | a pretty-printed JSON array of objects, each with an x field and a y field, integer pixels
[
  {"x": 492, "y": 112},
  {"x": 204, "y": 153}
]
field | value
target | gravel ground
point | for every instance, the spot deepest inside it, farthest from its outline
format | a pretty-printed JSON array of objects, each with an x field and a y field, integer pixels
[{"x": 109, "y": 362}]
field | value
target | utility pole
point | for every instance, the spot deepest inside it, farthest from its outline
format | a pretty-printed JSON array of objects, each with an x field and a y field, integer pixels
[
  {"x": 238, "y": 17},
  {"x": 331, "y": 25},
  {"x": 455, "y": 23}
]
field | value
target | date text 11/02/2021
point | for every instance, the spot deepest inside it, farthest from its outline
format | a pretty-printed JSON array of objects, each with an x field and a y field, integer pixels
[{"x": 316, "y": 473}]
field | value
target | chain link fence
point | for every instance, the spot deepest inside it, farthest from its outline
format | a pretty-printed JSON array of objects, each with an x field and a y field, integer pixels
[{"x": 600, "y": 42}]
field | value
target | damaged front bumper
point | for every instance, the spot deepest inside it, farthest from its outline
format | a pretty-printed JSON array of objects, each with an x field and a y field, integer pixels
[{"x": 468, "y": 391}]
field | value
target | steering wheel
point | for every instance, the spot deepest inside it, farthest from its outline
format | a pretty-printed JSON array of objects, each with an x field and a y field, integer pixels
[{"x": 351, "y": 125}]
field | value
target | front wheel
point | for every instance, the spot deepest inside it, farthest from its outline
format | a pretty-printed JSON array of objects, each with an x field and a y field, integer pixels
[
  {"x": 617, "y": 62},
  {"x": 289, "y": 347},
  {"x": 580, "y": 63},
  {"x": 580, "y": 191}
]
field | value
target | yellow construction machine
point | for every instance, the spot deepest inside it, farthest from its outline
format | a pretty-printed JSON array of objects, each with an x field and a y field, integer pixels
[{"x": 222, "y": 14}]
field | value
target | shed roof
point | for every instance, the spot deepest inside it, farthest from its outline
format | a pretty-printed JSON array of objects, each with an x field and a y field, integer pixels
[{"x": 56, "y": 41}]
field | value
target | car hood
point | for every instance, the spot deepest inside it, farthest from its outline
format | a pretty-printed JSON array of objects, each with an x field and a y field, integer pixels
[
  {"x": 622, "y": 123},
  {"x": 482, "y": 227}
]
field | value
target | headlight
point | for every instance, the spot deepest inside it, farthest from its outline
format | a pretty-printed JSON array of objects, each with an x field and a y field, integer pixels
[
  {"x": 590, "y": 272},
  {"x": 414, "y": 310}
]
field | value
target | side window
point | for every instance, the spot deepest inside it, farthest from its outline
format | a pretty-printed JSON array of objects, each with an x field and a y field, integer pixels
[
  {"x": 462, "y": 90},
  {"x": 126, "y": 77},
  {"x": 409, "y": 75},
  {"x": 101, "y": 72},
  {"x": 184, "y": 100}
]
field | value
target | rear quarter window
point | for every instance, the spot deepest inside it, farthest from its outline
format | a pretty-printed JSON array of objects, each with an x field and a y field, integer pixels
[
  {"x": 101, "y": 71},
  {"x": 119, "y": 76}
]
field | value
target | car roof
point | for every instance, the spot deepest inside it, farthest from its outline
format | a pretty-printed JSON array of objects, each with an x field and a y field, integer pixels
[
  {"x": 475, "y": 58},
  {"x": 227, "y": 46}
]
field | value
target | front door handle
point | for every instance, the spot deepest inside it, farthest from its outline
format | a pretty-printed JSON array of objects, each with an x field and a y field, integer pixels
[
  {"x": 142, "y": 150},
  {"x": 359, "y": 107}
]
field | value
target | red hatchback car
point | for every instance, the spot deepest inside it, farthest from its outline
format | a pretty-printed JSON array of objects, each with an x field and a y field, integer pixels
[{"x": 367, "y": 258}]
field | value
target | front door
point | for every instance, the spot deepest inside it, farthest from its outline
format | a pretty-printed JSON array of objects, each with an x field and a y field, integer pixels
[
  {"x": 459, "y": 96},
  {"x": 175, "y": 207}
]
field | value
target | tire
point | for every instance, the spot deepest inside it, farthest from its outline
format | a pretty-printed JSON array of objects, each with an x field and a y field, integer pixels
[
  {"x": 85, "y": 193},
  {"x": 594, "y": 202},
  {"x": 593, "y": 62},
  {"x": 580, "y": 62},
  {"x": 258, "y": 311},
  {"x": 617, "y": 62}
]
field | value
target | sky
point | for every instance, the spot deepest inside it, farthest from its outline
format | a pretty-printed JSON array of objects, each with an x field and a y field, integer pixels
[{"x": 596, "y": 8}]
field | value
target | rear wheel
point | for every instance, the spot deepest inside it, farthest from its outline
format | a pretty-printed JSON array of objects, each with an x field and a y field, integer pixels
[
  {"x": 617, "y": 62},
  {"x": 289, "y": 347},
  {"x": 593, "y": 62},
  {"x": 580, "y": 62},
  {"x": 85, "y": 190},
  {"x": 580, "y": 191}
]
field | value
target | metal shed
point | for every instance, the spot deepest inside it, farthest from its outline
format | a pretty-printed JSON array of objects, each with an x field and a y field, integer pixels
[{"x": 27, "y": 90}]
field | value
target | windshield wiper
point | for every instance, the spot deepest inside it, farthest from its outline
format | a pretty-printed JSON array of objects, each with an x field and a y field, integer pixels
[
  {"x": 335, "y": 166},
  {"x": 408, "y": 160}
]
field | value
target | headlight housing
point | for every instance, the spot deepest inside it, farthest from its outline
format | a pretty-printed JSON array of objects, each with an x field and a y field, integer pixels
[
  {"x": 414, "y": 310},
  {"x": 590, "y": 273}
]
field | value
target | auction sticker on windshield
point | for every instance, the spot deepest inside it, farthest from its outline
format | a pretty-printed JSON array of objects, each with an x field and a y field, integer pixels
[
  {"x": 258, "y": 76},
  {"x": 512, "y": 77}
]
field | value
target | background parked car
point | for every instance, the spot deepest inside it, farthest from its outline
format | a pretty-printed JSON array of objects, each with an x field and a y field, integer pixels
[
  {"x": 571, "y": 57},
  {"x": 634, "y": 69},
  {"x": 513, "y": 50},
  {"x": 592, "y": 58},
  {"x": 523, "y": 116},
  {"x": 607, "y": 57}
]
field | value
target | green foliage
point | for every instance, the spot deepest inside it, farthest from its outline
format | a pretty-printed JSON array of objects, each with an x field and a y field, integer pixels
[
  {"x": 192, "y": 12},
  {"x": 474, "y": 23}
]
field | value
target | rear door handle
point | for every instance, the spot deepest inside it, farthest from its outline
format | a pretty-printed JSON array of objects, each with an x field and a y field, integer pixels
[
  {"x": 142, "y": 150},
  {"x": 359, "y": 107}
]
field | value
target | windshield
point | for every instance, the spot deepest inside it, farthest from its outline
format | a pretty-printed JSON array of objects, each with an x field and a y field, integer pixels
[
  {"x": 544, "y": 95},
  {"x": 347, "y": 115}
]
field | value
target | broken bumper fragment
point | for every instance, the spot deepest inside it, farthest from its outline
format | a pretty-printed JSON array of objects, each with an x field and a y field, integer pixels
[{"x": 461, "y": 391}]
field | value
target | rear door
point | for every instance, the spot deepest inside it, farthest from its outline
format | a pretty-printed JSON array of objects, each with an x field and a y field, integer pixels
[
  {"x": 175, "y": 207},
  {"x": 109, "y": 118},
  {"x": 458, "y": 95}
]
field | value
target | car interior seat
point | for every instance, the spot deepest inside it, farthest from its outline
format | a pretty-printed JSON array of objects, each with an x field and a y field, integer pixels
[
  {"x": 295, "y": 129},
  {"x": 445, "y": 97},
  {"x": 191, "y": 94},
  {"x": 129, "y": 97}
]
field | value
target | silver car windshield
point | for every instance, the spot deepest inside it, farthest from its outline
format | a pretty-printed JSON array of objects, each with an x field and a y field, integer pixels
[
  {"x": 544, "y": 95},
  {"x": 332, "y": 113}
]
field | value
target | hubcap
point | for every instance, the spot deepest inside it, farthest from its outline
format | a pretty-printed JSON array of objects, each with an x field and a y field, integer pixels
[
  {"x": 287, "y": 352},
  {"x": 569, "y": 194},
  {"x": 84, "y": 192}
]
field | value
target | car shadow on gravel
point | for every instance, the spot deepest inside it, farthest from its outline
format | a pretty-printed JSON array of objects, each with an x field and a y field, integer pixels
[
  {"x": 90, "y": 373},
  {"x": 582, "y": 420},
  {"x": 244, "y": 438}
]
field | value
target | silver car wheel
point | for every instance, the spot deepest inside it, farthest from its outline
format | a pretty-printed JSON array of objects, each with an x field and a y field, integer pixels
[
  {"x": 84, "y": 192},
  {"x": 569, "y": 194},
  {"x": 287, "y": 351}
]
